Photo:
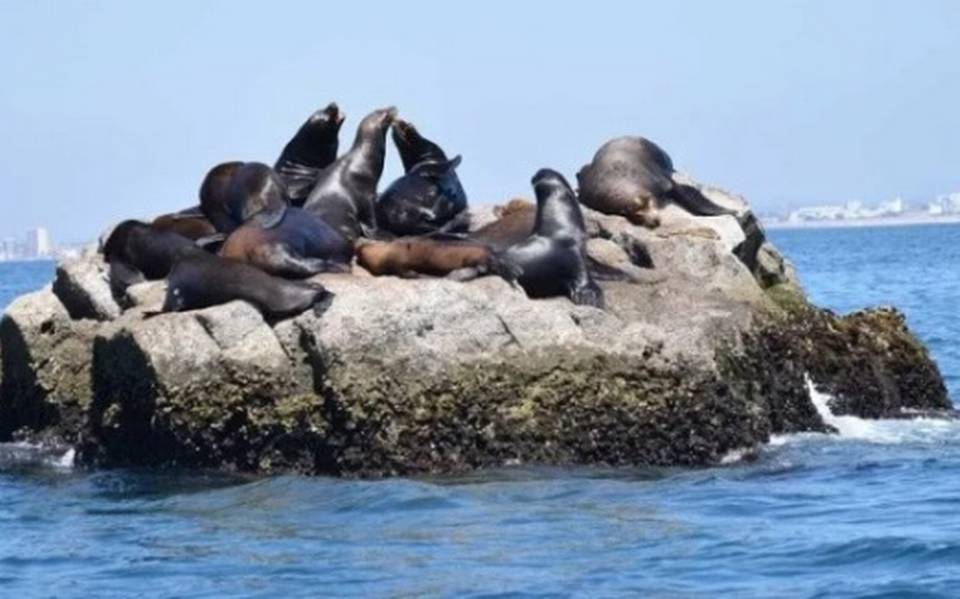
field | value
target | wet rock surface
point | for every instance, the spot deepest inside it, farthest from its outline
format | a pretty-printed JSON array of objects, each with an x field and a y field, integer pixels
[{"x": 704, "y": 349}]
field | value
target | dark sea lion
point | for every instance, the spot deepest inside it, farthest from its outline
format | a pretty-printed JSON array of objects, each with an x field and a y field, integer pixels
[
  {"x": 136, "y": 251},
  {"x": 300, "y": 245},
  {"x": 213, "y": 196},
  {"x": 346, "y": 191},
  {"x": 206, "y": 280},
  {"x": 631, "y": 176},
  {"x": 429, "y": 197},
  {"x": 551, "y": 261},
  {"x": 256, "y": 193},
  {"x": 411, "y": 256},
  {"x": 312, "y": 149},
  {"x": 515, "y": 222}
]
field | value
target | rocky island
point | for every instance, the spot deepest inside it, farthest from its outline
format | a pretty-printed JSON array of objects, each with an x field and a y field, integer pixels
[{"x": 706, "y": 349}]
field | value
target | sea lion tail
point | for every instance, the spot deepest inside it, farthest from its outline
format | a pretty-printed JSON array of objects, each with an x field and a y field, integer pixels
[{"x": 694, "y": 202}]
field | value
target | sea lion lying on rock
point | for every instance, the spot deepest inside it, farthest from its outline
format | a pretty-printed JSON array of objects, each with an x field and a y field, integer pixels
[
  {"x": 191, "y": 223},
  {"x": 515, "y": 222},
  {"x": 136, "y": 251},
  {"x": 205, "y": 280},
  {"x": 412, "y": 256},
  {"x": 632, "y": 176}
]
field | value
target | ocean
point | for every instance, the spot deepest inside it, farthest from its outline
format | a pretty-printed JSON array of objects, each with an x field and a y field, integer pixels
[{"x": 872, "y": 512}]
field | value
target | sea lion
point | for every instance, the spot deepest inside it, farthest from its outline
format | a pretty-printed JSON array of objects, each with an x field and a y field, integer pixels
[
  {"x": 206, "y": 280},
  {"x": 312, "y": 149},
  {"x": 346, "y": 191},
  {"x": 191, "y": 223},
  {"x": 429, "y": 197},
  {"x": 256, "y": 193},
  {"x": 300, "y": 245},
  {"x": 411, "y": 256},
  {"x": 631, "y": 176},
  {"x": 136, "y": 251},
  {"x": 551, "y": 261},
  {"x": 515, "y": 222},
  {"x": 214, "y": 191}
]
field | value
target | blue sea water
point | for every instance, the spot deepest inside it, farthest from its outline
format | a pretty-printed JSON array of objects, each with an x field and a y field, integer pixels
[{"x": 874, "y": 512}]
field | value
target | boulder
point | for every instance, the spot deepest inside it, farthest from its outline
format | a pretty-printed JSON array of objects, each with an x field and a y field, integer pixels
[
  {"x": 697, "y": 353},
  {"x": 45, "y": 386},
  {"x": 83, "y": 286}
]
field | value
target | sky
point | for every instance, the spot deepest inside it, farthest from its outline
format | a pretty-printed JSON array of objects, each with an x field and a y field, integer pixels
[{"x": 113, "y": 110}]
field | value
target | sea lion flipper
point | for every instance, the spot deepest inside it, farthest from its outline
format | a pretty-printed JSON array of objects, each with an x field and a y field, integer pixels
[
  {"x": 123, "y": 276},
  {"x": 278, "y": 260},
  {"x": 603, "y": 272},
  {"x": 694, "y": 202},
  {"x": 210, "y": 242},
  {"x": 587, "y": 294}
]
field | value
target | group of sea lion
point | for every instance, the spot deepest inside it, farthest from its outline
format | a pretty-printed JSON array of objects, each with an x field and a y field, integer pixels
[{"x": 258, "y": 231}]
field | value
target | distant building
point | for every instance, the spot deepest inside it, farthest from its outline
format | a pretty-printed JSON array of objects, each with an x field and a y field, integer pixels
[
  {"x": 852, "y": 210},
  {"x": 38, "y": 243},
  {"x": 945, "y": 204}
]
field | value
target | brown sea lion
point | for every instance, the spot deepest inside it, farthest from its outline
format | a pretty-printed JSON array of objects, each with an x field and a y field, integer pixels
[
  {"x": 299, "y": 246},
  {"x": 632, "y": 176},
  {"x": 193, "y": 226},
  {"x": 412, "y": 256},
  {"x": 515, "y": 222}
]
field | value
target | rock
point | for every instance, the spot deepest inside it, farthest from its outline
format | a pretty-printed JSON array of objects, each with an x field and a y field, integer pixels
[
  {"x": 148, "y": 295},
  {"x": 83, "y": 286},
  {"x": 45, "y": 387},
  {"x": 706, "y": 349},
  {"x": 189, "y": 388}
]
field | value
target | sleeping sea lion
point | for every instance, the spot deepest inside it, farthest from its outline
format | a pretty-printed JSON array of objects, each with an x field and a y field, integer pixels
[{"x": 632, "y": 176}]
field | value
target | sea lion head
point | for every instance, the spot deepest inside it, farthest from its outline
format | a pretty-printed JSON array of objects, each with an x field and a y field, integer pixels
[
  {"x": 213, "y": 195},
  {"x": 174, "y": 300},
  {"x": 257, "y": 193},
  {"x": 558, "y": 212},
  {"x": 547, "y": 181},
  {"x": 378, "y": 121},
  {"x": 415, "y": 149},
  {"x": 322, "y": 128}
]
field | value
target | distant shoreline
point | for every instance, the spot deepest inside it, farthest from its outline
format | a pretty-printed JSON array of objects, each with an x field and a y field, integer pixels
[{"x": 905, "y": 221}]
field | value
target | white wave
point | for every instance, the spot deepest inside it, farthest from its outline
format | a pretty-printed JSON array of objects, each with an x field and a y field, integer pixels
[
  {"x": 918, "y": 430},
  {"x": 734, "y": 456},
  {"x": 32, "y": 454}
]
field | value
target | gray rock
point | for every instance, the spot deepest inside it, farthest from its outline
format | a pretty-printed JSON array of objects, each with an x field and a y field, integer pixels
[
  {"x": 83, "y": 286},
  {"x": 148, "y": 295},
  {"x": 704, "y": 349},
  {"x": 45, "y": 385}
]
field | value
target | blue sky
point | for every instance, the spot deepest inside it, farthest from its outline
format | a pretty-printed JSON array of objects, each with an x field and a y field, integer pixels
[{"x": 116, "y": 109}]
